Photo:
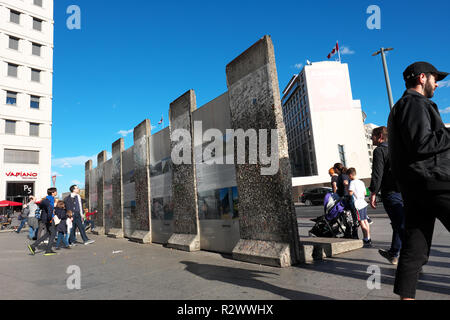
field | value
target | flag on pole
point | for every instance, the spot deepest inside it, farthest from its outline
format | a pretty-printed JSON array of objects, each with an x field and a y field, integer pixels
[
  {"x": 335, "y": 50},
  {"x": 54, "y": 180}
]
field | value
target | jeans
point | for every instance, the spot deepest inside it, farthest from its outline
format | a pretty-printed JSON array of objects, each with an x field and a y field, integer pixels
[
  {"x": 422, "y": 207},
  {"x": 62, "y": 236},
  {"x": 77, "y": 224},
  {"x": 22, "y": 224},
  {"x": 393, "y": 204},
  {"x": 32, "y": 232},
  {"x": 50, "y": 234},
  {"x": 89, "y": 222}
]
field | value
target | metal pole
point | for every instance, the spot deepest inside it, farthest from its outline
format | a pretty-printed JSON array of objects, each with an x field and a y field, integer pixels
[{"x": 388, "y": 82}]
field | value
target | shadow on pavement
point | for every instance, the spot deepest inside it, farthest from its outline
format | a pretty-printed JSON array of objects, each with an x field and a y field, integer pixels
[
  {"x": 246, "y": 278},
  {"x": 358, "y": 270}
]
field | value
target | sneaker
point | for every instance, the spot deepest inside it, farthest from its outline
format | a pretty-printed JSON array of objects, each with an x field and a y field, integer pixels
[
  {"x": 369, "y": 220},
  {"x": 368, "y": 244},
  {"x": 32, "y": 249},
  {"x": 49, "y": 253},
  {"x": 89, "y": 242},
  {"x": 57, "y": 248},
  {"x": 67, "y": 247},
  {"x": 385, "y": 254}
]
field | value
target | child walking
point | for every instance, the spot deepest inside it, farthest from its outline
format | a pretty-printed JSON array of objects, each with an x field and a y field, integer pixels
[
  {"x": 61, "y": 228},
  {"x": 357, "y": 189},
  {"x": 69, "y": 223}
]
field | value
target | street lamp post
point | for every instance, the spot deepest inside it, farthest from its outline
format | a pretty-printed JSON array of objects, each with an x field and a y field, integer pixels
[{"x": 386, "y": 74}]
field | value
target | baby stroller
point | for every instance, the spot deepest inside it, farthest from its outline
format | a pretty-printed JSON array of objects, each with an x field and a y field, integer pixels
[{"x": 338, "y": 221}]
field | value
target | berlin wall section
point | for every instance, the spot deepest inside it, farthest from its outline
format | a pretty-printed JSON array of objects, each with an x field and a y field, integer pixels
[
  {"x": 268, "y": 224},
  {"x": 116, "y": 223},
  {"x": 184, "y": 190}
]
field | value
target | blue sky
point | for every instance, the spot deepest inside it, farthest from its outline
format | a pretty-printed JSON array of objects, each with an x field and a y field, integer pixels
[{"x": 130, "y": 59}]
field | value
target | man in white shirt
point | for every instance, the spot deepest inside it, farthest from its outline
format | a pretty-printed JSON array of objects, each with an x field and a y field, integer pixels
[
  {"x": 357, "y": 189},
  {"x": 73, "y": 203}
]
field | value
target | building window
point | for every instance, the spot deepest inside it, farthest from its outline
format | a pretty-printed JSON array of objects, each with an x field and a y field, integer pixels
[
  {"x": 35, "y": 75},
  {"x": 12, "y": 70},
  {"x": 35, "y": 102},
  {"x": 342, "y": 154},
  {"x": 36, "y": 50},
  {"x": 14, "y": 43},
  {"x": 37, "y": 24},
  {"x": 34, "y": 129},
  {"x": 37, "y": 3},
  {"x": 10, "y": 127},
  {"x": 21, "y": 156},
  {"x": 14, "y": 16},
  {"x": 11, "y": 98}
]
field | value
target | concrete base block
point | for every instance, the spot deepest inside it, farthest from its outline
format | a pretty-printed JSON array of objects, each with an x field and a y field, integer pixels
[
  {"x": 99, "y": 231},
  {"x": 266, "y": 253},
  {"x": 115, "y": 233},
  {"x": 184, "y": 242},
  {"x": 140, "y": 236},
  {"x": 332, "y": 246}
]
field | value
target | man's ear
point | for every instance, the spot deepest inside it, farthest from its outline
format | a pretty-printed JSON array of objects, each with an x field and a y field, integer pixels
[{"x": 423, "y": 78}]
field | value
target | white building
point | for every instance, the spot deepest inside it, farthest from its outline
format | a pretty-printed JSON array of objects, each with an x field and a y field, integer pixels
[
  {"x": 26, "y": 72},
  {"x": 324, "y": 125}
]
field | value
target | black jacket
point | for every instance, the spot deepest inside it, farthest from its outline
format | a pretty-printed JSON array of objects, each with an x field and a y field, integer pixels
[
  {"x": 382, "y": 177},
  {"x": 46, "y": 211},
  {"x": 419, "y": 144},
  {"x": 62, "y": 226},
  {"x": 70, "y": 205}
]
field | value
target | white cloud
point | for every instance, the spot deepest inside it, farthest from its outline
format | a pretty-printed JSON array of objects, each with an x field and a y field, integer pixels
[
  {"x": 77, "y": 182},
  {"x": 70, "y": 162},
  {"x": 445, "y": 111},
  {"x": 56, "y": 174},
  {"x": 346, "y": 50},
  {"x": 298, "y": 66},
  {"x": 125, "y": 133},
  {"x": 444, "y": 84}
]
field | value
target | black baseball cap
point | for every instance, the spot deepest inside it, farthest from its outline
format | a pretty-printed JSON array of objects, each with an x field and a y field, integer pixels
[{"x": 416, "y": 69}]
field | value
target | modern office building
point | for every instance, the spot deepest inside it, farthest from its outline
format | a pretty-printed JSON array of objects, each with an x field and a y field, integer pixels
[
  {"x": 26, "y": 72},
  {"x": 324, "y": 125}
]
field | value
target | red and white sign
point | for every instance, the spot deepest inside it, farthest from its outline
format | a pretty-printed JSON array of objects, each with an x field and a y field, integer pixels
[{"x": 23, "y": 175}]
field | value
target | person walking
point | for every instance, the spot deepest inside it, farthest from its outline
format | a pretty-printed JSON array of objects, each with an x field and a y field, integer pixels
[
  {"x": 60, "y": 212},
  {"x": 419, "y": 154},
  {"x": 47, "y": 217},
  {"x": 73, "y": 203},
  {"x": 33, "y": 222},
  {"x": 383, "y": 180},
  {"x": 89, "y": 220},
  {"x": 23, "y": 217}
]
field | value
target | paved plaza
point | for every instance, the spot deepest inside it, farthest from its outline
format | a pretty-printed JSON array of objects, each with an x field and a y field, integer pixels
[{"x": 120, "y": 269}]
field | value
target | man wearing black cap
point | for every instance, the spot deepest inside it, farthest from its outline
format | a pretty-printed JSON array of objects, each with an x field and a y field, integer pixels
[{"x": 419, "y": 152}]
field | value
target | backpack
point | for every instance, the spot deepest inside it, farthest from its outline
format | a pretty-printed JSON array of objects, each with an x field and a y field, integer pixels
[{"x": 37, "y": 213}]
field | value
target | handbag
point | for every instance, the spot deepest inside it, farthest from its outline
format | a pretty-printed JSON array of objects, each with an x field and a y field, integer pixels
[{"x": 56, "y": 220}]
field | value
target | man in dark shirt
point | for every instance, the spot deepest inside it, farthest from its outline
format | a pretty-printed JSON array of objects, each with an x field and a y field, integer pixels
[
  {"x": 419, "y": 152},
  {"x": 383, "y": 180}
]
